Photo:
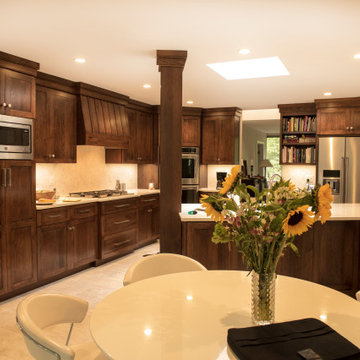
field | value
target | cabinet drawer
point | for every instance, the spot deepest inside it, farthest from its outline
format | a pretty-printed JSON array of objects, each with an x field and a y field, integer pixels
[
  {"x": 119, "y": 222},
  {"x": 46, "y": 217},
  {"x": 119, "y": 243},
  {"x": 149, "y": 200},
  {"x": 83, "y": 211},
  {"x": 109, "y": 207}
]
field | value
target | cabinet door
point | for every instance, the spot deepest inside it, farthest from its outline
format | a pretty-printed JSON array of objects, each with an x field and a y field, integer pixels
[
  {"x": 18, "y": 94},
  {"x": 145, "y": 225},
  {"x": 52, "y": 250},
  {"x": 355, "y": 121},
  {"x": 83, "y": 242},
  {"x": 19, "y": 198},
  {"x": 55, "y": 126},
  {"x": 21, "y": 255},
  {"x": 226, "y": 139},
  {"x": 209, "y": 141},
  {"x": 333, "y": 121},
  {"x": 2, "y": 262},
  {"x": 130, "y": 154},
  {"x": 191, "y": 131},
  {"x": 144, "y": 137}
]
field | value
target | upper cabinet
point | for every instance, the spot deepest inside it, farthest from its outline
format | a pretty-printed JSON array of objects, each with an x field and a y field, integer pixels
[
  {"x": 338, "y": 116},
  {"x": 17, "y": 86},
  {"x": 103, "y": 118},
  {"x": 143, "y": 134},
  {"x": 55, "y": 125},
  {"x": 191, "y": 126},
  {"x": 220, "y": 133}
]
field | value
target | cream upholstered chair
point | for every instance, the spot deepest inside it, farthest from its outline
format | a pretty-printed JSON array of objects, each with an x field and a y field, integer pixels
[
  {"x": 160, "y": 264},
  {"x": 357, "y": 295},
  {"x": 37, "y": 312}
]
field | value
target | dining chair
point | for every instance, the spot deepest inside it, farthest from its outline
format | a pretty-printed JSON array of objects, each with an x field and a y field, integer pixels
[
  {"x": 160, "y": 264},
  {"x": 37, "y": 312},
  {"x": 357, "y": 295}
]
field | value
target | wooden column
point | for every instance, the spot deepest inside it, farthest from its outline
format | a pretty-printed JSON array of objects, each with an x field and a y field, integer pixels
[{"x": 171, "y": 64}]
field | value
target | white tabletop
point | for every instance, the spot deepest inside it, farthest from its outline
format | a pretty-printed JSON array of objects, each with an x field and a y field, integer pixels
[{"x": 186, "y": 316}]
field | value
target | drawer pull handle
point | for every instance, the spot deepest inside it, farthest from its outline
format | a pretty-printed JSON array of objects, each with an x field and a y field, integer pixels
[
  {"x": 120, "y": 206},
  {"x": 121, "y": 222},
  {"x": 122, "y": 242},
  {"x": 55, "y": 216},
  {"x": 149, "y": 199},
  {"x": 84, "y": 211}
]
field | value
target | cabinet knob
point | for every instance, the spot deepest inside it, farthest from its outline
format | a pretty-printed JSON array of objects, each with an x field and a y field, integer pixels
[
  {"x": 149, "y": 211},
  {"x": 9, "y": 105},
  {"x": 351, "y": 128},
  {"x": 51, "y": 156},
  {"x": 347, "y": 128},
  {"x": 4, "y": 104},
  {"x": 218, "y": 159}
]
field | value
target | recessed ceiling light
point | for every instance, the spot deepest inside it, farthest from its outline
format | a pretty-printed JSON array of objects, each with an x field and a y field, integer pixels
[
  {"x": 327, "y": 93},
  {"x": 249, "y": 69},
  {"x": 357, "y": 56},
  {"x": 189, "y": 102},
  {"x": 244, "y": 51},
  {"x": 147, "y": 86},
  {"x": 80, "y": 60}
]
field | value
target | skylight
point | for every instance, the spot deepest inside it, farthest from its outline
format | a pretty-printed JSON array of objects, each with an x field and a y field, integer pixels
[{"x": 250, "y": 69}]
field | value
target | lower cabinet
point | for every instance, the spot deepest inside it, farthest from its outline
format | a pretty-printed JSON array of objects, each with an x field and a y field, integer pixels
[
  {"x": 21, "y": 255},
  {"x": 118, "y": 227},
  {"x": 2, "y": 263},
  {"x": 149, "y": 219},
  {"x": 67, "y": 239}
]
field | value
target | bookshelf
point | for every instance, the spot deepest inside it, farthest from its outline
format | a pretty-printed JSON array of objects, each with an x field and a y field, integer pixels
[{"x": 298, "y": 144}]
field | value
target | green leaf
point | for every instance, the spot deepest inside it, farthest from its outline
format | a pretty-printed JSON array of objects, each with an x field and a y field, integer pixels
[{"x": 294, "y": 248}]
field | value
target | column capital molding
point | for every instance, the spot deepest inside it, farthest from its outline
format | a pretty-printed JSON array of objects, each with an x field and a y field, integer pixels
[{"x": 171, "y": 58}]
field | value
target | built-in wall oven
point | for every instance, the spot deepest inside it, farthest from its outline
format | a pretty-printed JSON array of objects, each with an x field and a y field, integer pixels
[
  {"x": 16, "y": 138},
  {"x": 190, "y": 174}
]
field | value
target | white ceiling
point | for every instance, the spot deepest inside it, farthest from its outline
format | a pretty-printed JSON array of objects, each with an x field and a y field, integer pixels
[{"x": 315, "y": 39}]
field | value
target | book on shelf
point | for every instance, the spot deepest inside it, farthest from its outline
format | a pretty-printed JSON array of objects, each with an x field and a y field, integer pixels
[
  {"x": 295, "y": 139},
  {"x": 294, "y": 155},
  {"x": 305, "y": 123}
]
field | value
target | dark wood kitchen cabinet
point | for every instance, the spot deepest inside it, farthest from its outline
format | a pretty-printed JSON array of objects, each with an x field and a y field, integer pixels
[
  {"x": 2, "y": 262},
  {"x": 55, "y": 125},
  {"x": 338, "y": 116},
  {"x": 17, "y": 86},
  {"x": 17, "y": 211},
  {"x": 191, "y": 127},
  {"x": 67, "y": 238},
  {"x": 118, "y": 227},
  {"x": 220, "y": 134},
  {"x": 149, "y": 219}
]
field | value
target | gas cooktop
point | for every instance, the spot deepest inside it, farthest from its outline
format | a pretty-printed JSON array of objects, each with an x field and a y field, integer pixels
[{"x": 99, "y": 193}]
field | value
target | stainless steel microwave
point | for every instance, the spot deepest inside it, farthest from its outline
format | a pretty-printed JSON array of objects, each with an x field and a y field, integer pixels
[{"x": 16, "y": 138}]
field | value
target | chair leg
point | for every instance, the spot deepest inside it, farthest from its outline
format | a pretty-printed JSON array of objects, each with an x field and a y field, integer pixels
[{"x": 68, "y": 338}]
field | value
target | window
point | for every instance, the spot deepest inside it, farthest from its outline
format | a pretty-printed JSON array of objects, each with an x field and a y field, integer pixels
[{"x": 273, "y": 154}]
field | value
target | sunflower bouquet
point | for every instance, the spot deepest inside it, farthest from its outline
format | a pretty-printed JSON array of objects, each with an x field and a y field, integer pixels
[{"x": 264, "y": 225}]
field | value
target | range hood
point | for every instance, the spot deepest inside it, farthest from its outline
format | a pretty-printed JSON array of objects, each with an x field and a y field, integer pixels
[{"x": 102, "y": 118}]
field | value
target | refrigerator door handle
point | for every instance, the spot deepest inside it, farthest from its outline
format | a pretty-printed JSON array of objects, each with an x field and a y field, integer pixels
[{"x": 346, "y": 177}]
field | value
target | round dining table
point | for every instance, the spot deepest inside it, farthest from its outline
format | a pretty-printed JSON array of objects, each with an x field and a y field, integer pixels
[{"x": 186, "y": 316}]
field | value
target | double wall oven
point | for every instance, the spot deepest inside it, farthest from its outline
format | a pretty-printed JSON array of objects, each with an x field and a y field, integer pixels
[{"x": 190, "y": 174}]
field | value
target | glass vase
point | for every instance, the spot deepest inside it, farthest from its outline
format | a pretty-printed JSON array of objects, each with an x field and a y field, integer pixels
[{"x": 262, "y": 298}]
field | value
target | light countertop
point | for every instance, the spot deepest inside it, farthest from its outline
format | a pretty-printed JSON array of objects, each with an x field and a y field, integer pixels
[
  {"x": 69, "y": 201},
  {"x": 340, "y": 212}
]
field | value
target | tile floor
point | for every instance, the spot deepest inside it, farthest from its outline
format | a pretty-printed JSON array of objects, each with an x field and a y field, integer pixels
[{"x": 92, "y": 285}]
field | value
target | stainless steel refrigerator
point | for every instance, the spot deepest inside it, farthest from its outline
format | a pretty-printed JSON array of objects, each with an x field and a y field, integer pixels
[{"x": 339, "y": 166}]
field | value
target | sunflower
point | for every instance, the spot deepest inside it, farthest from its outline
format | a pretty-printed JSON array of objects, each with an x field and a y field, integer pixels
[
  {"x": 231, "y": 180},
  {"x": 298, "y": 221},
  {"x": 211, "y": 209},
  {"x": 324, "y": 198}
]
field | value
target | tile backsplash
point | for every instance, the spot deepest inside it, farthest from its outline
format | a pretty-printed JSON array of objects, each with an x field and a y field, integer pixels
[
  {"x": 212, "y": 170},
  {"x": 89, "y": 173},
  {"x": 299, "y": 174}
]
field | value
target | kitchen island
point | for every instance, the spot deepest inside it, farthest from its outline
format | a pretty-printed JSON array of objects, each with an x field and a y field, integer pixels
[{"x": 329, "y": 253}]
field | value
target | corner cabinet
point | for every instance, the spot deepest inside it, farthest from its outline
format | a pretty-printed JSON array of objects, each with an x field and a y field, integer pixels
[
  {"x": 17, "y": 86},
  {"x": 55, "y": 125},
  {"x": 220, "y": 136},
  {"x": 298, "y": 134},
  {"x": 338, "y": 116},
  {"x": 18, "y": 242}
]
